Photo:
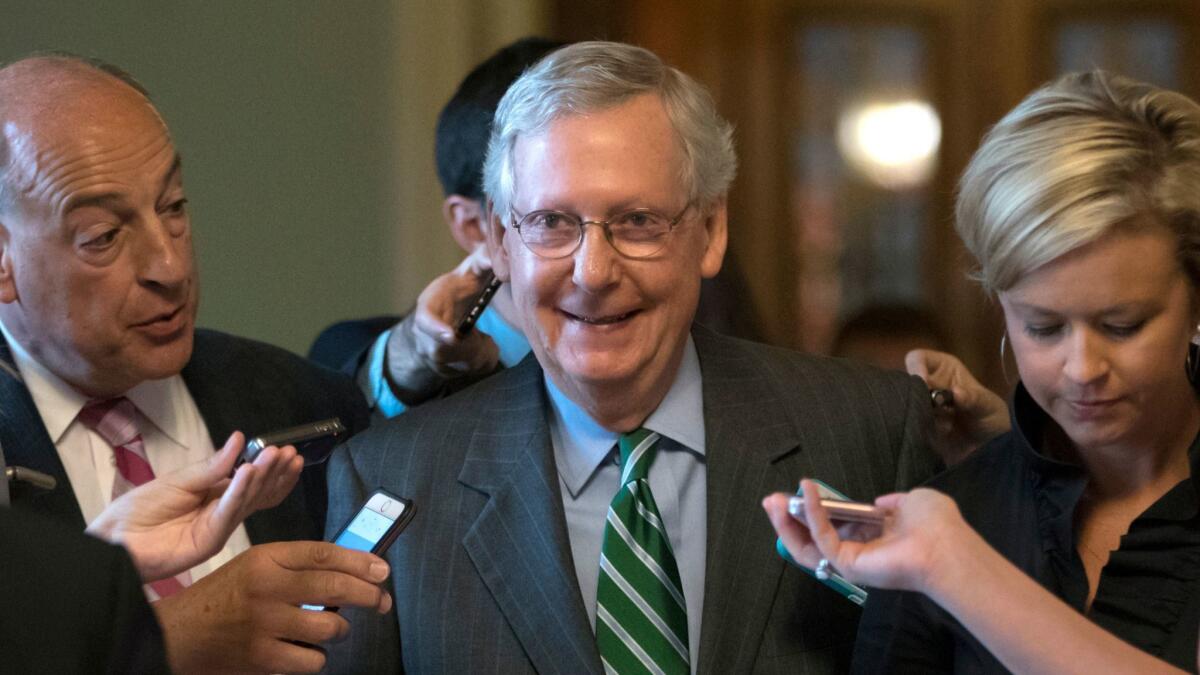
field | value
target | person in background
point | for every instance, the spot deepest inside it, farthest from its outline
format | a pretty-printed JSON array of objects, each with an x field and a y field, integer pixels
[
  {"x": 106, "y": 381},
  {"x": 404, "y": 361},
  {"x": 1079, "y": 532}
]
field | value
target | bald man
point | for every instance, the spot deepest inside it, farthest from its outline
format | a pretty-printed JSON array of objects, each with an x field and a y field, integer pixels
[{"x": 98, "y": 298}]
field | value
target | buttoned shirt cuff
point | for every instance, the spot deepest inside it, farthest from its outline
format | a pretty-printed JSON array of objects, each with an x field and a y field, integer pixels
[{"x": 385, "y": 399}]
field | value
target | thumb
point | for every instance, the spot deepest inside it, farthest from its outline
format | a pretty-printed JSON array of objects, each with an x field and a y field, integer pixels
[
  {"x": 916, "y": 363},
  {"x": 206, "y": 474}
]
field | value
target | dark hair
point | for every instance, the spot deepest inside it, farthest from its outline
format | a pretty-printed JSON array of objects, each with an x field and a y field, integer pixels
[{"x": 466, "y": 121}]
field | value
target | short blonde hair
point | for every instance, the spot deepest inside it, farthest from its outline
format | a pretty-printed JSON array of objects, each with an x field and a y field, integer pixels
[{"x": 1083, "y": 155}]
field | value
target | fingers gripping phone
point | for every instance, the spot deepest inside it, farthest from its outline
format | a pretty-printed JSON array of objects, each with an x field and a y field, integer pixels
[
  {"x": 374, "y": 527},
  {"x": 852, "y": 592},
  {"x": 467, "y": 322},
  {"x": 313, "y": 441}
]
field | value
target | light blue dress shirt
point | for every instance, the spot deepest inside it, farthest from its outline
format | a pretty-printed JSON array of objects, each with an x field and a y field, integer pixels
[
  {"x": 588, "y": 471},
  {"x": 512, "y": 343}
]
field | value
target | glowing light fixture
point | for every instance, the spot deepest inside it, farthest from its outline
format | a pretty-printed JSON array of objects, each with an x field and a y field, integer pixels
[{"x": 893, "y": 144}]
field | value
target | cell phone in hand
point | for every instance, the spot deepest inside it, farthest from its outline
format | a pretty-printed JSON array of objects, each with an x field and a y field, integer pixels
[
  {"x": 840, "y": 511},
  {"x": 852, "y": 592},
  {"x": 374, "y": 527},
  {"x": 467, "y": 322},
  {"x": 313, "y": 441}
]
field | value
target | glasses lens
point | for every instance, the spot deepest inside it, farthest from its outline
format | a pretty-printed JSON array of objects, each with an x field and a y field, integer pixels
[
  {"x": 639, "y": 233},
  {"x": 549, "y": 233}
]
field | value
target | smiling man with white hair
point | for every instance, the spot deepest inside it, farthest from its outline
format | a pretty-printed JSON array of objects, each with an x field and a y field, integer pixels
[{"x": 597, "y": 506}]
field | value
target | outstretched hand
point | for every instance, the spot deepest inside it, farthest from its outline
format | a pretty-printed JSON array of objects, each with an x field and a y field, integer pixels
[
  {"x": 978, "y": 414},
  {"x": 181, "y": 519},
  {"x": 919, "y": 526}
]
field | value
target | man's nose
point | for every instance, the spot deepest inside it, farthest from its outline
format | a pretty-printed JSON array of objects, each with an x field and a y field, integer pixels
[
  {"x": 1086, "y": 357},
  {"x": 595, "y": 260},
  {"x": 165, "y": 257}
]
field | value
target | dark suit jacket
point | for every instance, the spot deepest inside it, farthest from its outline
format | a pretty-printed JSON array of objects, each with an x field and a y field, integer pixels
[
  {"x": 71, "y": 603},
  {"x": 238, "y": 384},
  {"x": 343, "y": 345},
  {"x": 483, "y": 578}
]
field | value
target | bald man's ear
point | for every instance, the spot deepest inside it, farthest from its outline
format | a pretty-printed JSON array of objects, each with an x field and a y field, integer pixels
[
  {"x": 496, "y": 232},
  {"x": 464, "y": 217},
  {"x": 8, "y": 282}
]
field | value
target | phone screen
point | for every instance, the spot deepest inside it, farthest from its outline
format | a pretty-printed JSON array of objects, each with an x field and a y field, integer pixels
[
  {"x": 366, "y": 530},
  {"x": 373, "y": 528}
]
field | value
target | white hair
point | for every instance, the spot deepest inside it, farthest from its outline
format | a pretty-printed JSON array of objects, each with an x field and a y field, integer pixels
[{"x": 590, "y": 76}]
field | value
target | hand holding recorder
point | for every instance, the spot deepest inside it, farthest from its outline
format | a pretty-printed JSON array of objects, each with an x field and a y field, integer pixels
[
  {"x": 436, "y": 341},
  {"x": 183, "y": 518},
  {"x": 971, "y": 414}
]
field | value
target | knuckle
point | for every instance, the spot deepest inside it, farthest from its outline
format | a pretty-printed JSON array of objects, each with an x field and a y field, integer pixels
[
  {"x": 320, "y": 553},
  {"x": 334, "y": 586}
]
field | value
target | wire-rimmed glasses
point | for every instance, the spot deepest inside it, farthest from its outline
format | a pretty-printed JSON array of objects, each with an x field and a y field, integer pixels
[{"x": 637, "y": 233}]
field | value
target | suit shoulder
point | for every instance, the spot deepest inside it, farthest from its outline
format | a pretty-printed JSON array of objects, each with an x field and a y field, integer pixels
[
  {"x": 233, "y": 354},
  {"x": 263, "y": 386},
  {"x": 823, "y": 375},
  {"x": 453, "y": 417},
  {"x": 340, "y": 346}
]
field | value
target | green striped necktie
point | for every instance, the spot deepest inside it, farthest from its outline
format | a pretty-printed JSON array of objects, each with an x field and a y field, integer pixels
[{"x": 641, "y": 617}]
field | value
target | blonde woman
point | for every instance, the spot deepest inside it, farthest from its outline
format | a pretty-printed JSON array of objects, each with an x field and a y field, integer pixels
[{"x": 1082, "y": 208}]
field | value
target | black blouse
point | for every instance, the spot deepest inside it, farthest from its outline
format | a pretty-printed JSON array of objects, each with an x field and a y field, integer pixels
[{"x": 1023, "y": 504}]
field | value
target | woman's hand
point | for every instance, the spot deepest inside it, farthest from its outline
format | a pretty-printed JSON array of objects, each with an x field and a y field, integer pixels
[
  {"x": 910, "y": 554},
  {"x": 977, "y": 415},
  {"x": 183, "y": 518}
]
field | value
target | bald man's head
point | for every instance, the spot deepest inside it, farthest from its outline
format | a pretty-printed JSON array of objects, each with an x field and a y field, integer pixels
[
  {"x": 97, "y": 280},
  {"x": 34, "y": 87}
]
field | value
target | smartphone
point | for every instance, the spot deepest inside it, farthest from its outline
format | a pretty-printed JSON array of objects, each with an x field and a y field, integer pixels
[
  {"x": 840, "y": 511},
  {"x": 375, "y": 527},
  {"x": 467, "y": 322},
  {"x": 851, "y": 591},
  {"x": 313, "y": 441}
]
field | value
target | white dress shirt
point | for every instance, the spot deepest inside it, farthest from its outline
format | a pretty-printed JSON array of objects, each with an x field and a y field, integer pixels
[{"x": 172, "y": 429}]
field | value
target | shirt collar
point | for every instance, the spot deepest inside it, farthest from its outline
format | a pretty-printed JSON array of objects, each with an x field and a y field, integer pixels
[
  {"x": 581, "y": 444},
  {"x": 59, "y": 403},
  {"x": 511, "y": 342}
]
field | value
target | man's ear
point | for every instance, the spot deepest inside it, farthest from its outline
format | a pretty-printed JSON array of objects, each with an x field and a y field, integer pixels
[
  {"x": 496, "y": 232},
  {"x": 715, "y": 226},
  {"x": 8, "y": 282},
  {"x": 464, "y": 217}
]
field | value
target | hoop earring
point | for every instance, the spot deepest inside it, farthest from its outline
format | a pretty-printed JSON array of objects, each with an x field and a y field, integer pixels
[
  {"x": 1003, "y": 361},
  {"x": 1191, "y": 363}
]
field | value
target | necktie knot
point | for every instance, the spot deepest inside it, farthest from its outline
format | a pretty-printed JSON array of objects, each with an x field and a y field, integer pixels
[
  {"x": 637, "y": 453},
  {"x": 114, "y": 419}
]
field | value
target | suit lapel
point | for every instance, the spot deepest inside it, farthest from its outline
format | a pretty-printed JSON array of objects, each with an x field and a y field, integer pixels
[
  {"x": 519, "y": 543},
  {"x": 749, "y": 442},
  {"x": 25, "y": 442}
]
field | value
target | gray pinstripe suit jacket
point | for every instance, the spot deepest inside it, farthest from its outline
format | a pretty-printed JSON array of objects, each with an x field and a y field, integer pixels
[{"x": 483, "y": 579}]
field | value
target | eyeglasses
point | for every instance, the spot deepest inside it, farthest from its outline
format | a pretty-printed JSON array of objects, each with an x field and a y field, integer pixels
[{"x": 639, "y": 233}]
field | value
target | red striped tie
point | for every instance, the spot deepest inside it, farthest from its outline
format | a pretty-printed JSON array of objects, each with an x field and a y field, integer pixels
[{"x": 115, "y": 420}]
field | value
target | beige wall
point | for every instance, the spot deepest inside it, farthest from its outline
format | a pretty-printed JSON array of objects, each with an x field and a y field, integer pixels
[{"x": 307, "y": 133}]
